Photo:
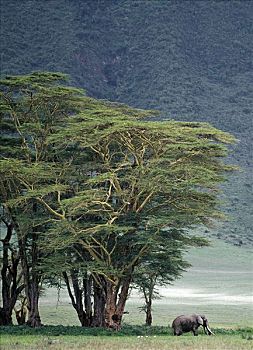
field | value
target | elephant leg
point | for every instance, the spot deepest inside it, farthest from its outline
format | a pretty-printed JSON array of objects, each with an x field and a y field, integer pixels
[
  {"x": 178, "y": 332},
  {"x": 195, "y": 332}
]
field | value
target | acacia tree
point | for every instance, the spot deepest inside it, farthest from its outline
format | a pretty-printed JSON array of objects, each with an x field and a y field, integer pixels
[
  {"x": 149, "y": 179},
  {"x": 161, "y": 267},
  {"x": 107, "y": 187}
]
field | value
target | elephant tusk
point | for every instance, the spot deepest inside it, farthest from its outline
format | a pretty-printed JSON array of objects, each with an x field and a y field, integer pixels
[{"x": 209, "y": 330}]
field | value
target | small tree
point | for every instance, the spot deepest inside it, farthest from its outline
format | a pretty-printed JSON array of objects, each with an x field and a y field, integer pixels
[{"x": 161, "y": 267}]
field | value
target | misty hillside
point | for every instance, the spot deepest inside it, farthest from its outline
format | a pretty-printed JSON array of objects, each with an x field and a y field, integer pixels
[{"x": 192, "y": 60}]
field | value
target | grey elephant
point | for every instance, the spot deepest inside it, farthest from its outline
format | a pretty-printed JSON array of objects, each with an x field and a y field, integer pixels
[{"x": 183, "y": 324}]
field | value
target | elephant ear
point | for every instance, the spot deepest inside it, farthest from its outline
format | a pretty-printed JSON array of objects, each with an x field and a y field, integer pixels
[
  {"x": 203, "y": 318},
  {"x": 200, "y": 320}
]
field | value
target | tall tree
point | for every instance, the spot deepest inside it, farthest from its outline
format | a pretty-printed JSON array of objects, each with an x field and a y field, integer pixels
[
  {"x": 107, "y": 187},
  {"x": 146, "y": 180}
]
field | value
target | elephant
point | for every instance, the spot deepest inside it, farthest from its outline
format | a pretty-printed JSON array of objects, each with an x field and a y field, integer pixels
[{"x": 183, "y": 324}]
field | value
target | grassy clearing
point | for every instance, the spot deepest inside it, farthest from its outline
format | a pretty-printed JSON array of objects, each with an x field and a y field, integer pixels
[
  {"x": 164, "y": 311},
  {"x": 219, "y": 285}
]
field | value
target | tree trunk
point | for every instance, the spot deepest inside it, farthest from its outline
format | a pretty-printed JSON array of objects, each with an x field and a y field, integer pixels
[
  {"x": 6, "y": 311},
  {"x": 33, "y": 290},
  {"x": 21, "y": 317},
  {"x": 87, "y": 286},
  {"x": 79, "y": 299},
  {"x": 110, "y": 308},
  {"x": 115, "y": 305},
  {"x": 31, "y": 280},
  {"x": 149, "y": 314},
  {"x": 21, "y": 313},
  {"x": 148, "y": 293},
  {"x": 84, "y": 317},
  {"x": 5, "y": 317},
  {"x": 33, "y": 305},
  {"x": 99, "y": 303},
  {"x": 10, "y": 279}
]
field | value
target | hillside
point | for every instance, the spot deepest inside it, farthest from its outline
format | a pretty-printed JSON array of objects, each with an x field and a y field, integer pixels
[{"x": 192, "y": 60}]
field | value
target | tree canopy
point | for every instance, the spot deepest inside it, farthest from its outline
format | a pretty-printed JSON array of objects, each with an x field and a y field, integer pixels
[{"x": 94, "y": 189}]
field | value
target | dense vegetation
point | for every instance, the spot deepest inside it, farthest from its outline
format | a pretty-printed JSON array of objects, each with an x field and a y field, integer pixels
[
  {"x": 126, "y": 330},
  {"x": 190, "y": 59}
]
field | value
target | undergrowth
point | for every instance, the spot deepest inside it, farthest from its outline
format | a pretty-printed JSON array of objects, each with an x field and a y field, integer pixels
[{"x": 127, "y": 330}]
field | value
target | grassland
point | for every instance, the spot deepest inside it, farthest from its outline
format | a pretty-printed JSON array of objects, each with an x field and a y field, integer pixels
[
  {"x": 238, "y": 340},
  {"x": 101, "y": 343},
  {"x": 219, "y": 285}
]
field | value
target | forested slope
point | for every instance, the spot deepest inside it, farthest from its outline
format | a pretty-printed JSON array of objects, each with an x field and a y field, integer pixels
[{"x": 190, "y": 59}]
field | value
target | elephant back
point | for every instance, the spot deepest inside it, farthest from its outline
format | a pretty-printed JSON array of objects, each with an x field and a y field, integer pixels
[{"x": 177, "y": 321}]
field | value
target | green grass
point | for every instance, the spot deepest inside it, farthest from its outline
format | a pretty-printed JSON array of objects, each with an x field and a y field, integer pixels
[
  {"x": 219, "y": 342},
  {"x": 130, "y": 337}
]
